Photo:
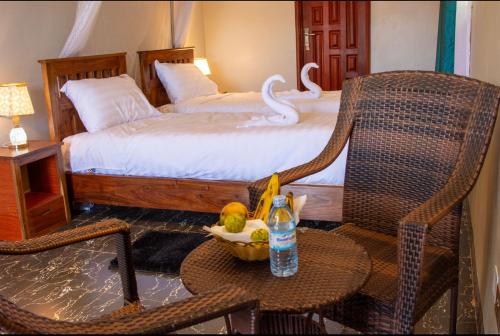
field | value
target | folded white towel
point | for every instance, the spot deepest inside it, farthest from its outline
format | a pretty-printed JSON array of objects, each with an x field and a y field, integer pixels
[
  {"x": 314, "y": 90},
  {"x": 287, "y": 113},
  {"x": 243, "y": 236},
  {"x": 253, "y": 224}
]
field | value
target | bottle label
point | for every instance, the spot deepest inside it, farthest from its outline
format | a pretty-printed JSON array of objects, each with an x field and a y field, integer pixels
[{"x": 282, "y": 240}]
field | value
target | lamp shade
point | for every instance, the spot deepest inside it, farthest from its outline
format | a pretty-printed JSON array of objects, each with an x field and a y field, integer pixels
[
  {"x": 202, "y": 64},
  {"x": 15, "y": 100}
]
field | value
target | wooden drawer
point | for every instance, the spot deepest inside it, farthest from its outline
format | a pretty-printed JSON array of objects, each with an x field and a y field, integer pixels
[{"x": 46, "y": 217}]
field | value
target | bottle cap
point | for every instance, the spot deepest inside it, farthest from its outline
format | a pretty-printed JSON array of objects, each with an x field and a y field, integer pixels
[{"x": 279, "y": 201}]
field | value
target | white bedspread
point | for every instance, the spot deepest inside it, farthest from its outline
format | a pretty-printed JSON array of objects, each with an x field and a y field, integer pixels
[
  {"x": 252, "y": 102},
  {"x": 205, "y": 146}
]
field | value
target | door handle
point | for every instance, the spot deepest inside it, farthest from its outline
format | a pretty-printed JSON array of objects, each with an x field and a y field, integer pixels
[{"x": 306, "y": 39}]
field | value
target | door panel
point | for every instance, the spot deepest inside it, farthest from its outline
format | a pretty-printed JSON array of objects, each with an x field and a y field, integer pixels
[{"x": 336, "y": 36}]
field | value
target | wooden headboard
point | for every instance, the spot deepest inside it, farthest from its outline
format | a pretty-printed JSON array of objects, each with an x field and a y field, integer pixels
[
  {"x": 63, "y": 118},
  {"x": 151, "y": 85}
]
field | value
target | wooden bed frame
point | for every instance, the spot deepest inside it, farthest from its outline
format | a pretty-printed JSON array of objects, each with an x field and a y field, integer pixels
[{"x": 324, "y": 201}]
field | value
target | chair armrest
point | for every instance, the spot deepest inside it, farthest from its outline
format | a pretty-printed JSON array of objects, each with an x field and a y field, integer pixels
[
  {"x": 412, "y": 233},
  {"x": 64, "y": 238},
  {"x": 322, "y": 161},
  {"x": 332, "y": 150},
  {"x": 164, "y": 319},
  {"x": 440, "y": 204}
]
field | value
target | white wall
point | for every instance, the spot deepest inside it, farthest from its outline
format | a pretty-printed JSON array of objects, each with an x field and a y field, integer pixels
[
  {"x": 196, "y": 34},
  {"x": 245, "y": 42},
  {"x": 485, "y": 197},
  {"x": 403, "y": 35},
  {"x": 30, "y": 31},
  {"x": 462, "y": 38},
  {"x": 130, "y": 26}
]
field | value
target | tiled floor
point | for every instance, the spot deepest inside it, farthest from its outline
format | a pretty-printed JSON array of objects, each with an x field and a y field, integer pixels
[{"x": 75, "y": 284}]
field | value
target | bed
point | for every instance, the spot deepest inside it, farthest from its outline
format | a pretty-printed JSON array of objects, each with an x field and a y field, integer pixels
[
  {"x": 193, "y": 194},
  {"x": 222, "y": 102}
]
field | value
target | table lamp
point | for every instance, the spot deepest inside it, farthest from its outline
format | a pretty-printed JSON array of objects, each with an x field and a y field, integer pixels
[
  {"x": 202, "y": 64},
  {"x": 14, "y": 102}
]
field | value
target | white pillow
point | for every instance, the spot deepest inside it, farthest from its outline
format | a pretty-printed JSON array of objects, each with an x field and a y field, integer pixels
[
  {"x": 184, "y": 81},
  {"x": 106, "y": 102}
]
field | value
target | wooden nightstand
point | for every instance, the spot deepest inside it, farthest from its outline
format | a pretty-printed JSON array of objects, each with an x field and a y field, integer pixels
[{"x": 33, "y": 199}]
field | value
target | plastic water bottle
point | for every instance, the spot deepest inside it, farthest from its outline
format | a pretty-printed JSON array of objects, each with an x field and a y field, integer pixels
[{"x": 282, "y": 239}]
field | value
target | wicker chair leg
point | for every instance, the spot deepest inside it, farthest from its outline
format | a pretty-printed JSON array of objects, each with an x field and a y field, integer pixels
[
  {"x": 126, "y": 268},
  {"x": 453, "y": 309},
  {"x": 229, "y": 327}
]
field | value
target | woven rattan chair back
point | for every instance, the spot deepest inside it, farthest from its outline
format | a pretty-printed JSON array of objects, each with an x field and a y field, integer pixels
[
  {"x": 417, "y": 141},
  {"x": 411, "y": 131}
]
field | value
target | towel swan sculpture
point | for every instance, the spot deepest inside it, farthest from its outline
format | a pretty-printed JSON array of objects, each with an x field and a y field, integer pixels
[
  {"x": 287, "y": 113},
  {"x": 314, "y": 89}
]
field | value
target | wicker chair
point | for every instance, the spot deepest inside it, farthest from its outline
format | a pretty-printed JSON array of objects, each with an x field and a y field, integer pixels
[
  {"x": 131, "y": 319},
  {"x": 417, "y": 141}
]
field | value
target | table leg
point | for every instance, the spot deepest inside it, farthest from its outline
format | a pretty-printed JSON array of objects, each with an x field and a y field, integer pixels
[{"x": 279, "y": 324}]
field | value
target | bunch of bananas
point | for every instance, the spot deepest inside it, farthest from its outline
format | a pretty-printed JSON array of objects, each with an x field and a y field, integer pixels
[{"x": 266, "y": 199}]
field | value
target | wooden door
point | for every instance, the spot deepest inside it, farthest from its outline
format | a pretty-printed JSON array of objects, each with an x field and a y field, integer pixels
[{"x": 336, "y": 36}]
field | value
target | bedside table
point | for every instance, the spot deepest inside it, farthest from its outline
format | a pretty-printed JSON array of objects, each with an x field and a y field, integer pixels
[{"x": 33, "y": 199}]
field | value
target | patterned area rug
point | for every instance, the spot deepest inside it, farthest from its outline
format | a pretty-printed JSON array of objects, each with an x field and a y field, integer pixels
[{"x": 161, "y": 251}]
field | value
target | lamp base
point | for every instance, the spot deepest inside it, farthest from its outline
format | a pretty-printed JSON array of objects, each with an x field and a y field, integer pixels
[
  {"x": 18, "y": 137},
  {"x": 11, "y": 146}
]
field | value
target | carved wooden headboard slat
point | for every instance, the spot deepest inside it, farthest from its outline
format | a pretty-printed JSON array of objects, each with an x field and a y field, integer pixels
[
  {"x": 151, "y": 85},
  {"x": 63, "y": 118}
]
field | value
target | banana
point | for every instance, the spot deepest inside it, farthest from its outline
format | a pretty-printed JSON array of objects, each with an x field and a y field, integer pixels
[
  {"x": 289, "y": 200},
  {"x": 260, "y": 206},
  {"x": 266, "y": 199}
]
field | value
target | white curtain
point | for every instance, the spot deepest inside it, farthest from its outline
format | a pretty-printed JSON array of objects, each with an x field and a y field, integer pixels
[
  {"x": 86, "y": 14},
  {"x": 182, "y": 18}
]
